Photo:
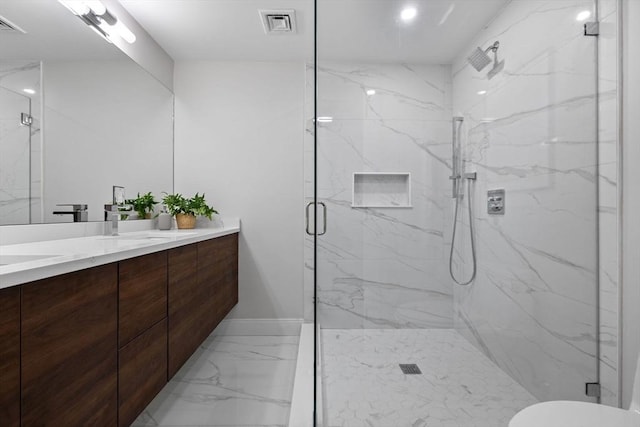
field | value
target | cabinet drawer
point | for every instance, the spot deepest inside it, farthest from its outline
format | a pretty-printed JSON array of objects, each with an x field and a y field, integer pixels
[
  {"x": 142, "y": 294},
  {"x": 142, "y": 372}
]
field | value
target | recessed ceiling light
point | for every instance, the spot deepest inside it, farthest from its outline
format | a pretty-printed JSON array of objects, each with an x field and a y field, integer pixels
[
  {"x": 408, "y": 13},
  {"x": 29, "y": 91},
  {"x": 371, "y": 92},
  {"x": 482, "y": 92},
  {"x": 584, "y": 15}
]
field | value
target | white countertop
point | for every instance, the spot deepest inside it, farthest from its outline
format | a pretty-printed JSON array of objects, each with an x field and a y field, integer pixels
[{"x": 26, "y": 262}]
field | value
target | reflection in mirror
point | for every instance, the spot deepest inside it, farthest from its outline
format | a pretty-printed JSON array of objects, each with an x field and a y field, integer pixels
[
  {"x": 19, "y": 141},
  {"x": 77, "y": 117}
]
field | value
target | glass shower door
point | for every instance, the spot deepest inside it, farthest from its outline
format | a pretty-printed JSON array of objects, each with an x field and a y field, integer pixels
[
  {"x": 15, "y": 158},
  {"x": 398, "y": 342}
]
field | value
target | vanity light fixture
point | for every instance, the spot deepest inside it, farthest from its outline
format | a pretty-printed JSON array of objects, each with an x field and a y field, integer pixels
[
  {"x": 325, "y": 119},
  {"x": 97, "y": 16}
]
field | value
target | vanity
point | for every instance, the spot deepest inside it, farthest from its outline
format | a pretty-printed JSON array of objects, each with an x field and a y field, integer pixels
[{"x": 92, "y": 328}]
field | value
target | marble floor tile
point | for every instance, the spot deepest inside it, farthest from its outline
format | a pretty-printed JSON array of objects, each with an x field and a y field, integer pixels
[
  {"x": 230, "y": 381},
  {"x": 459, "y": 387}
]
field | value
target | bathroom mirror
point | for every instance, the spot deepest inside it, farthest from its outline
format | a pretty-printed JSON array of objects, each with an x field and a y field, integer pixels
[{"x": 77, "y": 117}]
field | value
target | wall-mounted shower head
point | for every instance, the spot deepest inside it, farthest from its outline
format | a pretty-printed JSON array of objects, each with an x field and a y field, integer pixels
[{"x": 479, "y": 59}]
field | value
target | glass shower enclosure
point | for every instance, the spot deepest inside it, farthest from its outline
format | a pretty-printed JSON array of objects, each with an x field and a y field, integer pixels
[{"x": 396, "y": 84}]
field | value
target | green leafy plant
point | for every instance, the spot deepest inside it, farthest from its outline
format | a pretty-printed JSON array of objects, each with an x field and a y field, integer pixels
[
  {"x": 143, "y": 204},
  {"x": 196, "y": 205},
  {"x": 125, "y": 210}
]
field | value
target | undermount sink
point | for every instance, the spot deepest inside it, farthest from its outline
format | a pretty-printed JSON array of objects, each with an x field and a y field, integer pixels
[{"x": 16, "y": 259}]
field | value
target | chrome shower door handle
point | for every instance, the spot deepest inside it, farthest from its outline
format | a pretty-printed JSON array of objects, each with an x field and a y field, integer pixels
[
  {"x": 324, "y": 219},
  {"x": 306, "y": 214}
]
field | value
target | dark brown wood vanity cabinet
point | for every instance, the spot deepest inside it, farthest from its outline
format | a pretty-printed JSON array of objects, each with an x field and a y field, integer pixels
[
  {"x": 10, "y": 357},
  {"x": 218, "y": 272},
  {"x": 69, "y": 349},
  {"x": 94, "y": 347},
  {"x": 203, "y": 288},
  {"x": 186, "y": 306},
  {"x": 142, "y": 326}
]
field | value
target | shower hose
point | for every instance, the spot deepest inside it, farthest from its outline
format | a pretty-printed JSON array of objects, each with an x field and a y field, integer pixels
[{"x": 453, "y": 235}]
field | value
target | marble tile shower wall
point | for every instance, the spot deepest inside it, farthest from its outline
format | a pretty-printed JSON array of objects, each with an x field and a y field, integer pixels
[
  {"x": 20, "y": 158},
  {"x": 382, "y": 267},
  {"x": 532, "y": 308}
]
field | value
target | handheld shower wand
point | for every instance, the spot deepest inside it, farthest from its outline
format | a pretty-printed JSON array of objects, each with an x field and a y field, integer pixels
[{"x": 456, "y": 176}]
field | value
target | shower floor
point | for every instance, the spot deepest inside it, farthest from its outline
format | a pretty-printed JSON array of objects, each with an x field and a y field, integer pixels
[{"x": 459, "y": 387}]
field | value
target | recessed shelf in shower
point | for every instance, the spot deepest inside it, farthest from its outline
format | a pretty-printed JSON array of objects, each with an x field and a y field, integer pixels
[{"x": 381, "y": 190}]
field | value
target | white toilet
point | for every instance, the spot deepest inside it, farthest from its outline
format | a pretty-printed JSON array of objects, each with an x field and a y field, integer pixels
[{"x": 581, "y": 414}]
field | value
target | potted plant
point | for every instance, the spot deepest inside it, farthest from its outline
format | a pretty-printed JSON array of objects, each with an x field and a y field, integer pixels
[
  {"x": 186, "y": 209},
  {"x": 143, "y": 205}
]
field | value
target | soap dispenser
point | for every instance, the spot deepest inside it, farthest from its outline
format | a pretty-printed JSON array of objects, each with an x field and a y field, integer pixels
[{"x": 164, "y": 220}]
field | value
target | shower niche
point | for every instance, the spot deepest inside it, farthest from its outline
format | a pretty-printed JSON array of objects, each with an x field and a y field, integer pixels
[{"x": 381, "y": 190}]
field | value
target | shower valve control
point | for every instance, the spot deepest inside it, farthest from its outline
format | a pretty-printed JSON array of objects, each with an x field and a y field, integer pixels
[{"x": 495, "y": 202}]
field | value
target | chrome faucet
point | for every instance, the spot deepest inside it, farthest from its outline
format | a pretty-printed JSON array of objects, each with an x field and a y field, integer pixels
[
  {"x": 79, "y": 212},
  {"x": 111, "y": 216}
]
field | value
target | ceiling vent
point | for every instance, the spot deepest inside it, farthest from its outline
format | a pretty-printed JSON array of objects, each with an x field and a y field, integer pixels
[
  {"x": 278, "y": 21},
  {"x": 8, "y": 27}
]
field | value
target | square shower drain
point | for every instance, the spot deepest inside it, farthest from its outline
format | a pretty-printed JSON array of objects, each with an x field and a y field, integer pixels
[{"x": 410, "y": 369}]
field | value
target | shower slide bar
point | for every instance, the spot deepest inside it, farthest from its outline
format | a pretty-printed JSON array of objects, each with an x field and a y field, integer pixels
[{"x": 455, "y": 158}]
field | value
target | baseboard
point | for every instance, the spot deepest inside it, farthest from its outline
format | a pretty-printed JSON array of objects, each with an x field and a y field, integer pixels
[{"x": 259, "y": 327}]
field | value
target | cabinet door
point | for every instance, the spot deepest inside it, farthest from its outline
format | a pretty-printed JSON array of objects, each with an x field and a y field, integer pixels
[
  {"x": 142, "y": 372},
  {"x": 10, "y": 357},
  {"x": 69, "y": 349},
  {"x": 142, "y": 294},
  {"x": 218, "y": 273},
  {"x": 186, "y": 306},
  {"x": 229, "y": 258}
]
